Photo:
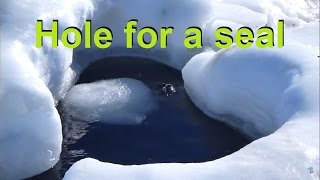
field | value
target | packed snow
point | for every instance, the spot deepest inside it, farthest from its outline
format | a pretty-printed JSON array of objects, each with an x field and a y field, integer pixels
[
  {"x": 260, "y": 88},
  {"x": 263, "y": 92},
  {"x": 116, "y": 101},
  {"x": 31, "y": 82},
  {"x": 30, "y": 127}
]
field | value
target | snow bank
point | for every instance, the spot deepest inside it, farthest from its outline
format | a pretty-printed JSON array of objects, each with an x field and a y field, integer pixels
[
  {"x": 30, "y": 128},
  {"x": 206, "y": 14},
  {"x": 259, "y": 91},
  {"x": 116, "y": 13},
  {"x": 117, "y": 101},
  {"x": 260, "y": 88},
  {"x": 33, "y": 80}
]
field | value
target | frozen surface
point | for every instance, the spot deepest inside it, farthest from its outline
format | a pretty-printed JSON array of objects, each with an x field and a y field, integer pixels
[
  {"x": 30, "y": 128},
  {"x": 260, "y": 88},
  {"x": 116, "y": 101},
  {"x": 259, "y": 91},
  {"x": 33, "y": 80},
  {"x": 181, "y": 15}
]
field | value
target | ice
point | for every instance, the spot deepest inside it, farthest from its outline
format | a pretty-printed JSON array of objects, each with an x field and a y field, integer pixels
[
  {"x": 224, "y": 11},
  {"x": 34, "y": 80},
  {"x": 262, "y": 87},
  {"x": 31, "y": 82},
  {"x": 164, "y": 13},
  {"x": 209, "y": 40},
  {"x": 260, "y": 91},
  {"x": 116, "y": 101},
  {"x": 205, "y": 14},
  {"x": 30, "y": 128},
  {"x": 51, "y": 65}
]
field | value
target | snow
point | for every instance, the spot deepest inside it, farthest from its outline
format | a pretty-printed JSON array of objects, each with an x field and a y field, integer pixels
[
  {"x": 34, "y": 80},
  {"x": 29, "y": 122},
  {"x": 31, "y": 81},
  {"x": 262, "y": 92},
  {"x": 261, "y": 88},
  {"x": 116, "y": 101},
  {"x": 206, "y": 14}
]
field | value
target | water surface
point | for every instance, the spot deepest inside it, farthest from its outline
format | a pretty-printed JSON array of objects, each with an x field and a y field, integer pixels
[{"x": 176, "y": 132}]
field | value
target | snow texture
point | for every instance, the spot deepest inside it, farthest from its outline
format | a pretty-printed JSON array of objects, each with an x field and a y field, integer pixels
[
  {"x": 262, "y": 92},
  {"x": 33, "y": 80},
  {"x": 116, "y": 101}
]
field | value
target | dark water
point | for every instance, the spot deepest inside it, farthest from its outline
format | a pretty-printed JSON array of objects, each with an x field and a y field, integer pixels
[{"x": 176, "y": 132}]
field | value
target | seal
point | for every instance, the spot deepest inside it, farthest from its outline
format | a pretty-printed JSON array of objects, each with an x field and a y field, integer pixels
[{"x": 168, "y": 89}]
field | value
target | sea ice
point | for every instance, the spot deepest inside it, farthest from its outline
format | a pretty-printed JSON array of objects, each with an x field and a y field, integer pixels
[
  {"x": 116, "y": 101},
  {"x": 33, "y": 80}
]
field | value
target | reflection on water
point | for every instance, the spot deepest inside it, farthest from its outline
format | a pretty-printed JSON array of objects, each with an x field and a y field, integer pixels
[{"x": 176, "y": 132}]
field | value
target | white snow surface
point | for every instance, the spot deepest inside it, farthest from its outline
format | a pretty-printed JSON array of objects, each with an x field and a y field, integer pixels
[
  {"x": 260, "y": 89},
  {"x": 32, "y": 80},
  {"x": 115, "y": 101}
]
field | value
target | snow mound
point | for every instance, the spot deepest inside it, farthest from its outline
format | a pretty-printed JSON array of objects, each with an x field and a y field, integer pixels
[
  {"x": 30, "y": 128},
  {"x": 117, "y": 101},
  {"x": 260, "y": 88},
  {"x": 31, "y": 80}
]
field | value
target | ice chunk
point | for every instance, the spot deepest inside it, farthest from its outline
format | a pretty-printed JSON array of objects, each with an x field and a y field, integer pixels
[{"x": 116, "y": 101}]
